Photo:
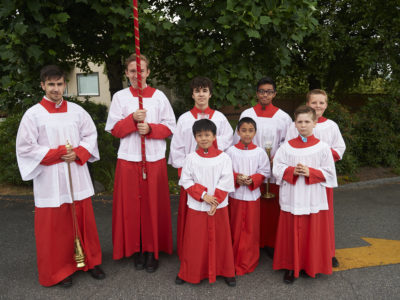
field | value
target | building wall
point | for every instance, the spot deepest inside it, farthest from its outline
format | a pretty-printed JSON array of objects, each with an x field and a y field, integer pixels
[{"x": 104, "y": 87}]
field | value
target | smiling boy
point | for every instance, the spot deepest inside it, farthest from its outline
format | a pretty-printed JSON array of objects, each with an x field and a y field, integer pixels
[
  {"x": 42, "y": 157},
  {"x": 141, "y": 221},
  {"x": 207, "y": 178},
  {"x": 304, "y": 167}
]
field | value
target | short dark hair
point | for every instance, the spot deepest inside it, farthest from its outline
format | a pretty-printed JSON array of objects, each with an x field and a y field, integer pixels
[
  {"x": 266, "y": 80},
  {"x": 201, "y": 82},
  {"x": 204, "y": 125},
  {"x": 51, "y": 72},
  {"x": 247, "y": 120},
  {"x": 304, "y": 109}
]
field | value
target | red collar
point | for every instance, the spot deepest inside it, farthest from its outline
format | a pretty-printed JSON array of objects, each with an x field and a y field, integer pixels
[
  {"x": 241, "y": 146},
  {"x": 298, "y": 143},
  {"x": 268, "y": 112},
  {"x": 50, "y": 106},
  {"x": 212, "y": 152},
  {"x": 322, "y": 119},
  {"x": 147, "y": 92},
  {"x": 208, "y": 111}
]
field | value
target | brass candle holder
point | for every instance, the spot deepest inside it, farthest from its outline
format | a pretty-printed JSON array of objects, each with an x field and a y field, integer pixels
[{"x": 267, "y": 194}]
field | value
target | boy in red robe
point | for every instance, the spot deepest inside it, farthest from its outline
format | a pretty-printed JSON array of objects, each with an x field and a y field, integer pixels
[
  {"x": 250, "y": 167},
  {"x": 304, "y": 168},
  {"x": 141, "y": 222},
  {"x": 207, "y": 178}
]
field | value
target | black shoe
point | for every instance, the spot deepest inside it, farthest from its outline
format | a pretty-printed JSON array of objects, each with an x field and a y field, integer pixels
[
  {"x": 304, "y": 274},
  {"x": 97, "y": 273},
  {"x": 335, "y": 262},
  {"x": 151, "y": 263},
  {"x": 139, "y": 260},
  {"x": 270, "y": 252},
  {"x": 230, "y": 281},
  {"x": 66, "y": 282},
  {"x": 179, "y": 280},
  {"x": 288, "y": 277}
]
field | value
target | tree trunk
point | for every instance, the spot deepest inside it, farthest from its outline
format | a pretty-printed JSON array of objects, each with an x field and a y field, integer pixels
[{"x": 114, "y": 74}]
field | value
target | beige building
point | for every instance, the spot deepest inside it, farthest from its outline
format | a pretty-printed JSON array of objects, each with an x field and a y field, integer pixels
[{"x": 94, "y": 85}]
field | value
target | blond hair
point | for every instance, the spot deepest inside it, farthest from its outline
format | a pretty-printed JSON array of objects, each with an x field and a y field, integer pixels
[
  {"x": 316, "y": 92},
  {"x": 132, "y": 58}
]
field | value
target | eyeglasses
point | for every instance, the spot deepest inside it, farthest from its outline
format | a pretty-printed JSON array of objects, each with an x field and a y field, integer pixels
[{"x": 268, "y": 92}]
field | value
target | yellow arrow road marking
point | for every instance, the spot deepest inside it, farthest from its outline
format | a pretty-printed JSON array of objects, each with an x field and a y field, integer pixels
[{"x": 380, "y": 252}]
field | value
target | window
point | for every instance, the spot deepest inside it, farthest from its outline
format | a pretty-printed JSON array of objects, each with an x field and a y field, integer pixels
[{"x": 88, "y": 84}]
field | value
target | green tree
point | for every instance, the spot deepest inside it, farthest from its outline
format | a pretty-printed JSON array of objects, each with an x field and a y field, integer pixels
[
  {"x": 355, "y": 40},
  {"x": 233, "y": 42}
]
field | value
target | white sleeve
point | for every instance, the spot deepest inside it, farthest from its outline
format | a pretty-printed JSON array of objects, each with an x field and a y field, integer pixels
[
  {"x": 186, "y": 180},
  {"x": 226, "y": 181},
  {"x": 29, "y": 152},
  {"x": 287, "y": 121},
  {"x": 114, "y": 114},
  {"x": 167, "y": 116},
  {"x": 280, "y": 165},
  {"x": 177, "y": 147},
  {"x": 225, "y": 136},
  {"x": 88, "y": 136},
  {"x": 338, "y": 143},
  {"x": 328, "y": 169}
]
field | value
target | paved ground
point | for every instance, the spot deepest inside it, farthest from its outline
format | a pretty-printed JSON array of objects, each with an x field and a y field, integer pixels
[{"x": 361, "y": 211}]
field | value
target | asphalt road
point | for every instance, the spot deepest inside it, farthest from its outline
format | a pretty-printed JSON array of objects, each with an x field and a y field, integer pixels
[{"x": 361, "y": 211}]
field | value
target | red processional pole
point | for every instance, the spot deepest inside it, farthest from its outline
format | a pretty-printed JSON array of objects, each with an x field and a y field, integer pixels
[{"x": 139, "y": 79}]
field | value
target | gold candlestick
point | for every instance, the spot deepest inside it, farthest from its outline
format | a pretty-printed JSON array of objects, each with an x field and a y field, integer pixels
[
  {"x": 79, "y": 256},
  {"x": 267, "y": 194}
]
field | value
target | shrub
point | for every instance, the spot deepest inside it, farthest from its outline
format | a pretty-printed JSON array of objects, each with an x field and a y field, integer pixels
[
  {"x": 378, "y": 131},
  {"x": 346, "y": 122}
]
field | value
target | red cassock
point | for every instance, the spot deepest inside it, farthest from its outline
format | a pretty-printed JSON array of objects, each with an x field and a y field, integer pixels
[
  {"x": 141, "y": 208},
  {"x": 303, "y": 239},
  {"x": 41, "y": 137},
  {"x": 206, "y": 250}
]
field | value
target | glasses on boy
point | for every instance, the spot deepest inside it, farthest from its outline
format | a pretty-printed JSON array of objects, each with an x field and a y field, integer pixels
[{"x": 268, "y": 92}]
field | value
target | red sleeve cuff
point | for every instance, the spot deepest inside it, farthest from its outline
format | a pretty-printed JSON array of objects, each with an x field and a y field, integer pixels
[
  {"x": 53, "y": 156},
  {"x": 124, "y": 127},
  {"x": 235, "y": 175},
  {"x": 220, "y": 195},
  {"x": 336, "y": 156},
  {"x": 82, "y": 155},
  {"x": 289, "y": 176},
  {"x": 257, "y": 181},
  {"x": 158, "y": 131},
  {"x": 316, "y": 176},
  {"x": 179, "y": 172},
  {"x": 196, "y": 190}
]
